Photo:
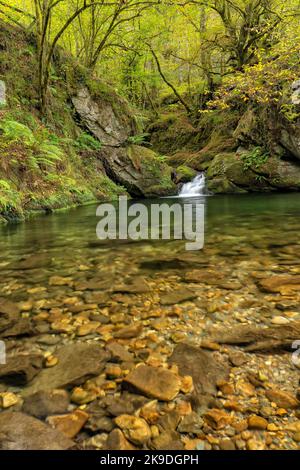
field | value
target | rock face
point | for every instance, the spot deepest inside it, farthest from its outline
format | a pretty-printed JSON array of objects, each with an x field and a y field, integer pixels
[
  {"x": 76, "y": 364},
  {"x": 230, "y": 173},
  {"x": 154, "y": 382},
  {"x": 108, "y": 118},
  {"x": 22, "y": 432},
  {"x": 43, "y": 404}
]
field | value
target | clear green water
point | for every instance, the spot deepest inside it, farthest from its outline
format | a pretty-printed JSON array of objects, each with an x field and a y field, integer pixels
[{"x": 264, "y": 228}]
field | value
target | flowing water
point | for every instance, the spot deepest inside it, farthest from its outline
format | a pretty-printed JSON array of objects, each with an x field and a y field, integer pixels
[{"x": 195, "y": 188}]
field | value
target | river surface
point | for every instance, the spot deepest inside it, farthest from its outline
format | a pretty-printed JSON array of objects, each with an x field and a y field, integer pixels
[
  {"x": 150, "y": 296},
  {"x": 246, "y": 238},
  {"x": 261, "y": 229}
]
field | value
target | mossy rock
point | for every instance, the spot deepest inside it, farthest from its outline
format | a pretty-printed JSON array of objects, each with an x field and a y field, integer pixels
[
  {"x": 184, "y": 174},
  {"x": 228, "y": 174},
  {"x": 140, "y": 170}
]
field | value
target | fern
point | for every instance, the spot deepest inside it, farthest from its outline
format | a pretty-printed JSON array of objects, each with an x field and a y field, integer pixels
[
  {"x": 138, "y": 139},
  {"x": 87, "y": 142},
  {"x": 16, "y": 131},
  {"x": 49, "y": 154}
]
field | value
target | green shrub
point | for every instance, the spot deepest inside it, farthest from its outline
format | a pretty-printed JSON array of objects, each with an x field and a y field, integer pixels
[
  {"x": 255, "y": 158},
  {"x": 15, "y": 131},
  {"x": 87, "y": 142}
]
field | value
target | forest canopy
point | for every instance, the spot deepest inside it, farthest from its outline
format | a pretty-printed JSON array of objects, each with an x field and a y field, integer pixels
[{"x": 153, "y": 50}]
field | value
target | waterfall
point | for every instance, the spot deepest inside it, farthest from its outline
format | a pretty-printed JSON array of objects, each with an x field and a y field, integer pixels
[{"x": 195, "y": 187}]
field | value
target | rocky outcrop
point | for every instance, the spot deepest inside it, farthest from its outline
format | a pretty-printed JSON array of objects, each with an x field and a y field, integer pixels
[
  {"x": 235, "y": 173},
  {"x": 139, "y": 170},
  {"x": 107, "y": 117}
]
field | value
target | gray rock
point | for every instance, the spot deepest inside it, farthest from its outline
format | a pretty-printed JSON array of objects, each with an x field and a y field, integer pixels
[
  {"x": 76, "y": 363},
  {"x": 22, "y": 432},
  {"x": 202, "y": 365},
  {"x": 119, "y": 353},
  {"x": 46, "y": 403},
  {"x": 191, "y": 424},
  {"x": 177, "y": 297},
  {"x": 9, "y": 314},
  {"x": 108, "y": 118},
  {"x": 20, "y": 369},
  {"x": 3, "y": 101}
]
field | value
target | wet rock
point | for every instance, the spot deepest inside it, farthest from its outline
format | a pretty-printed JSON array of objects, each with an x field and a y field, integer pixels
[
  {"x": 48, "y": 340},
  {"x": 99, "y": 298},
  {"x": 33, "y": 261},
  {"x": 77, "y": 363},
  {"x": 22, "y": 432},
  {"x": 280, "y": 284},
  {"x": 8, "y": 399},
  {"x": 127, "y": 404},
  {"x": 69, "y": 424},
  {"x": 237, "y": 359},
  {"x": 217, "y": 419},
  {"x": 191, "y": 424},
  {"x": 9, "y": 314},
  {"x": 154, "y": 382},
  {"x": 137, "y": 286},
  {"x": 113, "y": 371},
  {"x": 46, "y": 403},
  {"x": 177, "y": 297},
  {"x": 226, "y": 444},
  {"x": 21, "y": 369},
  {"x": 257, "y": 422},
  {"x": 136, "y": 430},
  {"x": 201, "y": 365},
  {"x": 280, "y": 321},
  {"x": 119, "y": 353},
  {"x": 60, "y": 281},
  {"x": 169, "y": 421},
  {"x": 117, "y": 441},
  {"x": 98, "y": 423},
  {"x": 203, "y": 276},
  {"x": 254, "y": 338},
  {"x": 167, "y": 441},
  {"x": 256, "y": 443},
  {"x": 282, "y": 399},
  {"x": 296, "y": 437},
  {"x": 129, "y": 332}
]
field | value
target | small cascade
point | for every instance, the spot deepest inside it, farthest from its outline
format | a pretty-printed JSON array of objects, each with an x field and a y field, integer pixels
[{"x": 197, "y": 187}]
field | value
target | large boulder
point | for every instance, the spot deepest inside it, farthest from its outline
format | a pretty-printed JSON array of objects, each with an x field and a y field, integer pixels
[
  {"x": 139, "y": 170},
  {"x": 105, "y": 114},
  {"x": 108, "y": 118},
  {"x": 76, "y": 364},
  {"x": 22, "y": 432},
  {"x": 239, "y": 173}
]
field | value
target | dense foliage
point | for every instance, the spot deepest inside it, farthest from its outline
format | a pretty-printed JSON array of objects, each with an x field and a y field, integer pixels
[{"x": 153, "y": 50}]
